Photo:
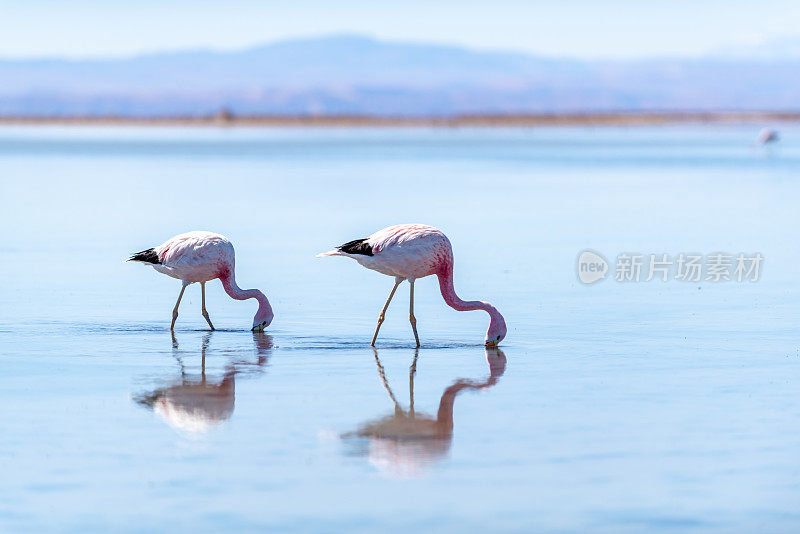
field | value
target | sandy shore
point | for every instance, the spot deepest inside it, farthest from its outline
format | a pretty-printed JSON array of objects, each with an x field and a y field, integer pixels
[{"x": 574, "y": 119}]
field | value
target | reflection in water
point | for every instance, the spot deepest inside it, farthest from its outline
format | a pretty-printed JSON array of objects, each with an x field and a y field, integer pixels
[
  {"x": 402, "y": 443},
  {"x": 196, "y": 403}
]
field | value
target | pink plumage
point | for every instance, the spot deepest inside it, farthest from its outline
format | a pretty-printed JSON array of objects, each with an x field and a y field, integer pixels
[
  {"x": 411, "y": 251},
  {"x": 200, "y": 257}
]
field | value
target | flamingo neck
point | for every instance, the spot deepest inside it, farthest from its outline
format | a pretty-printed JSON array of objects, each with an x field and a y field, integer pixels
[
  {"x": 454, "y": 301},
  {"x": 228, "y": 280}
]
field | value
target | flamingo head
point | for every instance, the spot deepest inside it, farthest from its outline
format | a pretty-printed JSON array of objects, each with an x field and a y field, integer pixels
[
  {"x": 262, "y": 319},
  {"x": 497, "y": 329},
  {"x": 264, "y": 313}
]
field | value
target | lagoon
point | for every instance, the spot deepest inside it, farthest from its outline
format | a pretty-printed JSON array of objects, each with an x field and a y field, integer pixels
[{"x": 616, "y": 406}]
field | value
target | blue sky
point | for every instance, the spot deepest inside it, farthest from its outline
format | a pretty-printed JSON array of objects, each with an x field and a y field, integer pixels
[{"x": 587, "y": 29}]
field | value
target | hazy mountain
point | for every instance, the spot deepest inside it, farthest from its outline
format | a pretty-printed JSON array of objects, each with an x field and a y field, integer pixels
[
  {"x": 351, "y": 74},
  {"x": 783, "y": 49}
]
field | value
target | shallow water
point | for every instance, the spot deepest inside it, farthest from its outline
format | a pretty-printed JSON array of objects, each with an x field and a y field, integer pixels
[{"x": 612, "y": 407}]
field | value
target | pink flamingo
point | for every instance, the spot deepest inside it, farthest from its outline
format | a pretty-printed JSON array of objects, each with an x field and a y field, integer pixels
[
  {"x": 411, "y": 251},
  {"x": 766, "y": 136},
  {"x": 200, "y": 257}
]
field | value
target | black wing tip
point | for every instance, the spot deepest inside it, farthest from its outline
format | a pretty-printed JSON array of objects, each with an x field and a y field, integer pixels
[
  {"x": 146, "y": 256},
  {"x": 357, "y": 246}
]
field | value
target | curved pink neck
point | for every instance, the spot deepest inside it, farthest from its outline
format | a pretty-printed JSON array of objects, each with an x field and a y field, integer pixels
[
  {"x": 453, "y": 300},
  {"x": 228, "y": 280}
]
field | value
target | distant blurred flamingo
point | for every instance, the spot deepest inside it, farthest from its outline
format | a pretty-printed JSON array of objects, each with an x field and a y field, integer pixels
[
  {"x": 411, "y": 251},
  {"x": 200, "y": 257},
  {"x": 766, "y": 136}
]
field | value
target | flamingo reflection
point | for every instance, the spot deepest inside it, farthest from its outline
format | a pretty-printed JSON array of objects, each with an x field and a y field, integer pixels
[
  {"x": 198, "y": 403},
  {"x": 402, "y": 443}
]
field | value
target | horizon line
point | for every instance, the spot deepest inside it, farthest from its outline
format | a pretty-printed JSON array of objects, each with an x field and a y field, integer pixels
[{"x": 224, "y": 118}]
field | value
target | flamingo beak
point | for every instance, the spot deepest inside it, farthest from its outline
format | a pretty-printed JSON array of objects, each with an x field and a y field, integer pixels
[{"x": 491, "y": 344}]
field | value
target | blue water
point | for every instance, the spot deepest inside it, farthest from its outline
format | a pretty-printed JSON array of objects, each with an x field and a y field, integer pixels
[{"x": 668, "y": 407}]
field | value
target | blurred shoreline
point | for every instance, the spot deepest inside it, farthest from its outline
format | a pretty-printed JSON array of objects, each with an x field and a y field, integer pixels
[{"x": 479, "y": 121}]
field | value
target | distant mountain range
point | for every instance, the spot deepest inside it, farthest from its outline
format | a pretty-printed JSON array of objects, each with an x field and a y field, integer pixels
[{"x": 359, "y": 75}]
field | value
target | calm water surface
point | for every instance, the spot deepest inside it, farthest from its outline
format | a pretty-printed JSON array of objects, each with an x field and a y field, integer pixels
[{"x": 616, "y": 407}]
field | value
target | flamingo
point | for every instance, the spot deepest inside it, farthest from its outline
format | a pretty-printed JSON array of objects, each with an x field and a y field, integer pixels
[
  {"x": 200, "y": 257},
  {"x": 766, "y": 136},
  {"x": 411, "y": 251}
]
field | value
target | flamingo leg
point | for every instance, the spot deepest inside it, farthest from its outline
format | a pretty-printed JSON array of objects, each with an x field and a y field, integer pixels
[
  {"x": 205, "y": 313},
  {"x": 411, "y": 313},
  {"x": 383, "y": 311},
  {"x": 175, "y": 310}
]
